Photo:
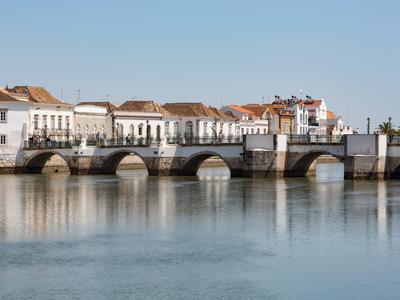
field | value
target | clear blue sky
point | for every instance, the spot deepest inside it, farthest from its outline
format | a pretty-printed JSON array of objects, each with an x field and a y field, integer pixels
[{"x": 347, "y": 52}]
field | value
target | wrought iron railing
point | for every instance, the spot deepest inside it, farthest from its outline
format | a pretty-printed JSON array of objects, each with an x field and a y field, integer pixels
[
  {"x": 205, "y": 140},
  {"x": 315, "y": 139},
  {"x": 124, "y": 142},
  {"x": 45, "y": 144}
]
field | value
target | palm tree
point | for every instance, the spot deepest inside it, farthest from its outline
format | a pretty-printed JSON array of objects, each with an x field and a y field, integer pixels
[{"x": 386, "y": 127}]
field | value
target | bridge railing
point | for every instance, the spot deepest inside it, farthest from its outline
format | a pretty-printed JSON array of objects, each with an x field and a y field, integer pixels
[
  {"x": 123, "y": 142},
  {"x": 394, "y": 140},
  {"x": 315, "y": 139},
  {"x": 205, "y": 141},
  {"x": 43, "y": 144}
]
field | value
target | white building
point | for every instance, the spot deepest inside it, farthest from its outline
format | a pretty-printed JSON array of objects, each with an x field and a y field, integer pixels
[
  {"x": 14, "y": 118},
  {"x": 49, "y": 118},
  {"x": 139, "y": 121},
  {"x": 300, "y": 120},
  {"x": 194, "y": 122},
  {"x": 336, "y": 126},
  {"x": 248, "y": 121},
  {"x": 92, "y": 122},
  {"x": 317, "y": 115}
]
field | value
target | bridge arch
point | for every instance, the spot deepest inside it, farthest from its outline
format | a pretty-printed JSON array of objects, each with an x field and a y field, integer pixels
[
  {"x": 192, "y": 164},
  {"x": 111, "y": 162},
  {"x": 36, "y": 162},
  {"x": 300, "y": 165}
]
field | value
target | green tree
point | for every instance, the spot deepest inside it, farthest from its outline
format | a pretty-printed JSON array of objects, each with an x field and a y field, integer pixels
[{"x": 386, "y": 127}]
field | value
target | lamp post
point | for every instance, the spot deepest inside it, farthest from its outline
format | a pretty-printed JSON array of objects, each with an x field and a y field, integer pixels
[{"x": 368, "y": 125}]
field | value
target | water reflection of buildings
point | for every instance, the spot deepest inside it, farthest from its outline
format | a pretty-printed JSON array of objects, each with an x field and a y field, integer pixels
[{"x": 283, "y": 210}]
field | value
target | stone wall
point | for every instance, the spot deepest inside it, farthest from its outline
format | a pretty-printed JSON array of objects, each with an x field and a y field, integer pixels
[{"x": 8, "y": 163}]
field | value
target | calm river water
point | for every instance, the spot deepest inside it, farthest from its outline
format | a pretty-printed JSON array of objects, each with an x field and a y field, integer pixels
[{"x": 211, "y": 237}]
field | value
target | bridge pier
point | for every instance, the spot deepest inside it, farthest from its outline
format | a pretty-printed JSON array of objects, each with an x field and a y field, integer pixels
[
  {"x": 364, "y": 167},
  {"x": 264, "y": 156},
  {"x": 365, "y": 156}
]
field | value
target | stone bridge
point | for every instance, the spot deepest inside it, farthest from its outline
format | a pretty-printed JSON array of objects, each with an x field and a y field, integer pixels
[
  {"x": 363, "y": 156},
  {"x": 169, "y": 160}
]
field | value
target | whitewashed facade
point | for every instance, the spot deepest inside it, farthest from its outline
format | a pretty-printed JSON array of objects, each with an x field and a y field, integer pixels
[
  {"x": 91, "y": 122},
  {"x": 248, "y": 122},
  {"x": 197, "y": 122}
]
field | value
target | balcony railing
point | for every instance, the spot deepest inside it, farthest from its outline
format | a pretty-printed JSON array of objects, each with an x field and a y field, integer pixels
[{"x": 315, "y": 139}]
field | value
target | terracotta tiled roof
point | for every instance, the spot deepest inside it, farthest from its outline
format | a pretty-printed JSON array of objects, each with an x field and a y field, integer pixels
[
  {"x": 257, "y": 109},
  {"x": 5, "y": 96},
  {"x": 36, "y": 94},
  {"x": 108, "y": 105},
  {"x": 144, "y": 106},
  {"x": 241, "y": 109},
  {"x": 330, "y": 115},
  {"x": 231, "y": 115},
  {"x": 196, "y": 109},
  {"x": 221, "y": 114},
  {"x": 312, "y": 102}
]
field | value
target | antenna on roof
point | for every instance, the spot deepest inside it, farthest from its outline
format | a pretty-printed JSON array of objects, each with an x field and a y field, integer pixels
[
  {"x": 62, "y": 95},
  {"x": 78, "y": 95},
  {"x": 108, "y": 97}
]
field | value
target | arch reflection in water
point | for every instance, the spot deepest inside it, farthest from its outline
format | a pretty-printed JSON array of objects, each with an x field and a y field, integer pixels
[{"x": 126, "y": 228}]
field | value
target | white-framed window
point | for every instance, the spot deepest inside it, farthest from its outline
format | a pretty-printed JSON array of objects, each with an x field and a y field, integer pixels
[
  {"x": 59, "y": 122},
  {"x": 166, "y": 129},
  {"x": 53, "y": 122},
  {"x": 36, "y": 121},
  {"x": 140, "y": 129},
  {"x": 3, "y": 139},
  {"x": 3, "y": 116},
  {"x": 44, "y": 121}
]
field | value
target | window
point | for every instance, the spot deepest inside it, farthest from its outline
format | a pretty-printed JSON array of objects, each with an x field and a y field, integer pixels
[
  {"x": 131, "y": 131},
  {"x": 67, "y": 121},
  {"x": 205, "y": 130},
  {"x": 176, "y": 129},
  {"x": 140, "y": 129},
  {"x": 252, "y": 131},
  {"x": 53, "y": 122},
  {"x": 3, "y": 139},
  {"x": 3, "y": 116},
  {"x": 59, "y": 122},
  {"x": 166, "y": 129},
  {"x": 265, "y": 131},
  {"x": 44, "y": 121},
  {"x": 36, "y": 121},
  {"x": 258, "y": 130}
]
